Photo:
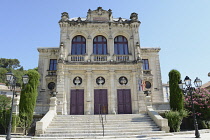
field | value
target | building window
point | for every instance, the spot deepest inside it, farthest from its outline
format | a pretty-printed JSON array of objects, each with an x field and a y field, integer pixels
[
  {"x": 78, "y": 45},
  {"x": 148, "y": 85},
  {"x": 100, "y": 45},
  {"x": 51, "y": 86},
  {"x": 145, "y": 64},
  {"x": 120, "y": 45},
  {"x": 53, "y": 64}
]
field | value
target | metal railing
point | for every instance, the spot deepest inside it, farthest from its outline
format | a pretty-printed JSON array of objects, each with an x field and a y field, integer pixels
[{"x": 102, "y": 115}]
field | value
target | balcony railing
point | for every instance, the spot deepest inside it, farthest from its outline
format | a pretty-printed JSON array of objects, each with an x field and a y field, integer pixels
[
  {"x": 147, "y": 72},
  {"x": 77, "y": 58},
  {"x": 51, "y": 72},
  {"x": 120, "y": 58},
  {"x": 100, "y": 58}
]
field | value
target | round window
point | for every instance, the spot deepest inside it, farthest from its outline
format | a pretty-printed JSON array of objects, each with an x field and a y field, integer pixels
[
  {"x": 100, "y": 80},
  {"x": 123, "y": 80},
  {"x": 77, "y": 80},
  {"x": 51, "y": 85},
  {"x": 147, "y": 84}
]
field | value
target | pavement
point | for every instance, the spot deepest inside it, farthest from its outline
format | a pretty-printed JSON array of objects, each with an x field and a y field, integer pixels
[{"x": 184, "y": 135}]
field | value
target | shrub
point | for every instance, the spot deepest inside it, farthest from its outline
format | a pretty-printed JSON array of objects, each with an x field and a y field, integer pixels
[
  {"x": 28, "y": 100},
  {"x": 175, "y": 119},
  {"x": 176, "y": 95}
]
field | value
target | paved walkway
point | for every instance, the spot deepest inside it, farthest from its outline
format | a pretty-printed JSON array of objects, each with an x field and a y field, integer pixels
[{"x": 187, "y": 135}]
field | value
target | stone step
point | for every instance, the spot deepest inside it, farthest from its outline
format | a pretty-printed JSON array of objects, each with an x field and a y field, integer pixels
[
  {"x": 83, "y": 130},
  {"x": 110, "y": 135},
  {"x": 117, "y": 117},
  {"x": 86, "y": 126},
  {"x": 99, "y": 126},
  {"x": 98, "y": 123}
]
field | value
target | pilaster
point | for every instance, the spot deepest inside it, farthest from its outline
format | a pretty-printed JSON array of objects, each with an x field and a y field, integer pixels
[
  {"x": 89, "y": 96},
  {"x": 112, "y": 95},
  {"x": 134, "y": 96},
  {"x": 60, "y": 88}
]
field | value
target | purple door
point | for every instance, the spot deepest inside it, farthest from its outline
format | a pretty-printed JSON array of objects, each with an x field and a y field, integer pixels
[
  {"x": 124, "y": 101},
  {"x": 77, "y": 102},
  {"x": 100, "y": 101}
]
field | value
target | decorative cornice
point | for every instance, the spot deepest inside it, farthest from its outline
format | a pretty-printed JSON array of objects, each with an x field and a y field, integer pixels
[
  {"x": 144, "y": 50},
  {"x": 48, "y": 50},
  {"x": 97, "y": 16}
]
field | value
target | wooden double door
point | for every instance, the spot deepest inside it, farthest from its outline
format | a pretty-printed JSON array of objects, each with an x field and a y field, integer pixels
[
  {"x": 100, "y": 101},
  {"x": 124, "y": 101},
  {"x": 77, "y": 102}
]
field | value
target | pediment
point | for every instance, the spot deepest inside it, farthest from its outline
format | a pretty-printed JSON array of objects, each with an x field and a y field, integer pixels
[{"x": 99, "y": 15}]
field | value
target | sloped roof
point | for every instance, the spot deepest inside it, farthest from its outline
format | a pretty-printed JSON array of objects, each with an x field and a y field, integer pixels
[{"x": 206, "y": 85}]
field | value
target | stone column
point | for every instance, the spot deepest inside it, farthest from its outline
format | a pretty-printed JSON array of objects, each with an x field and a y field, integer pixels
[
  {"x": 112, "y": 96},
  {"x": 89, "y": 95},
  {"x": 141, "y": 95},
  {"x": 135, "y": 107},
  {"x": 60, "y": 88}
]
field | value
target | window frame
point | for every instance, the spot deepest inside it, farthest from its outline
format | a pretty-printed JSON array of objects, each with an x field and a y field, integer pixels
[
  {"x": 145, "y": 65},
  {"x": 121, "y": 47},
  {"x": 75, "y": 44},
  {"x": 53, "y": 65},
  {"x": 97, "y": 43}
]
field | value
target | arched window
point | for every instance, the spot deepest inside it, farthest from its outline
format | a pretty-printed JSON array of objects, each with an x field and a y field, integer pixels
[
  {"x": 78, "y": 45},
  {"x": 120, "y": 45},
  {"x": 99, "y": 45}
]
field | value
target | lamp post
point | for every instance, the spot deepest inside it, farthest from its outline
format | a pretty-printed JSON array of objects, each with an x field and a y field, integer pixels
[
  {"x": 187, "y": 87},
  {"x": 12, "y": 84}
]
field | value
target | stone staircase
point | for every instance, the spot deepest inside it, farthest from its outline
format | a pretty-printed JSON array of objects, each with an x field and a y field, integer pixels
[{"x": 115, "y": 126}]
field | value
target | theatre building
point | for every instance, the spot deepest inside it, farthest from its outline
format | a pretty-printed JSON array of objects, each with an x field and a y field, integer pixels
[{"x": 98, "y": 67}]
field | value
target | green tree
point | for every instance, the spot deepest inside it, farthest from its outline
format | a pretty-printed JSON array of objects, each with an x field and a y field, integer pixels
[
  {"x": 28, "y": 100},
  {"x": 36, "y": 68},
  {"x": 9, "y": 63},
  {"x": 3, "y": 71},
  {"x": 176, "y": 96},
  {"x": 5, "y": 103}
]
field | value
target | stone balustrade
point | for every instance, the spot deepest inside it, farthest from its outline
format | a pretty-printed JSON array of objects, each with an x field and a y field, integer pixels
[
  {"x": 159, "y": 120},
  {"x": 47, "y": 119}
]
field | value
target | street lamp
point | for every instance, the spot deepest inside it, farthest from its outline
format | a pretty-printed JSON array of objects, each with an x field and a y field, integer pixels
[
  {"x": 187, "y": 87},
  {"x": 11, "y": 80}
]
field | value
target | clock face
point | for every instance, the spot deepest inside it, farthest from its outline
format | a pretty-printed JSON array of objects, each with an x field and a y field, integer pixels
[{"x": 51, "y": 85}]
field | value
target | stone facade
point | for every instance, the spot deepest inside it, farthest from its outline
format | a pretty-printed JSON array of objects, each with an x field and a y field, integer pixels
[{"x": 108, "y": 67}]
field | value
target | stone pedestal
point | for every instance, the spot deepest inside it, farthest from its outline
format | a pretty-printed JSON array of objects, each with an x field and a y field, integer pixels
[{"x": 53, "y": 103}]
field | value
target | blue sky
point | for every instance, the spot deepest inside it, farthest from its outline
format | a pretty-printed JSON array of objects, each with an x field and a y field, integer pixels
[{"x": 181, "y": 28}]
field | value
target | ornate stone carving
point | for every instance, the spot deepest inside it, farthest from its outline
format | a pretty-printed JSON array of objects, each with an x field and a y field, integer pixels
[
  {"x": 77, "y": 80},
  {"x": 65, "y": 16},
  {"x": 100, "y": 80},
  {"x": 134, "y": 17},
  {"x": 123, "y": 80}
]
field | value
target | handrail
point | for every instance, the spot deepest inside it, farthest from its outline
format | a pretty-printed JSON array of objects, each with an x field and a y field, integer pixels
[{"x": 101, "y": 117}]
